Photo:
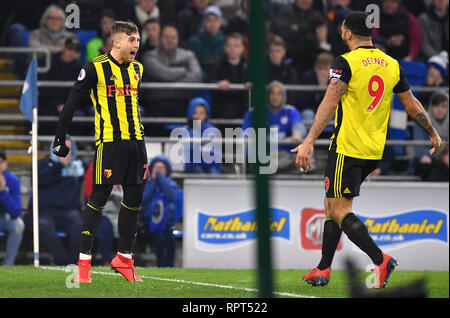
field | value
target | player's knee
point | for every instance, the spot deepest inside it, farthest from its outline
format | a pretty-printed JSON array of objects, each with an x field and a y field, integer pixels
[
  {"x": 131, "y": 205},
  {"x": 355, "y": 226},
  {"x": 337, "y": 213},
  {"x": 99, "y": 196},
  {"x": 132, "y": 196},
  {"x": 17, "y": 226}
]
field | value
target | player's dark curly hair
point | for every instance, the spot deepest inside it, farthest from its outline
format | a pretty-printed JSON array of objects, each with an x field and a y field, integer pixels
[{"x": 356, "y": 22}]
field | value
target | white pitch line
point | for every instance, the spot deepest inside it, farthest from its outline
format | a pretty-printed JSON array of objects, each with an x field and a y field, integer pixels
[{"x": 188, "y": 282}]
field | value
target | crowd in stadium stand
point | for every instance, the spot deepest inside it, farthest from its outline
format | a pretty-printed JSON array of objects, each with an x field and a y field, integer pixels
[
  {"x": 192, "y": 41},
  {"x": 300, "y": 23}
]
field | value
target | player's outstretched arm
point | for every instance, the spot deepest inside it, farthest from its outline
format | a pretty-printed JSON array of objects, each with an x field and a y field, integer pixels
[
  {"x": 85, "y": 82},
  {"x": 324, "y": 113},
  {"x": 418, "y": 114},
  {"x": 59, "y": 145}
]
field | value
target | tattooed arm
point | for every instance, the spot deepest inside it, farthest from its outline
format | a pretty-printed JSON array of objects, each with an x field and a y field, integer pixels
[
  {"x": 325, "y": 112},
  {"x": 326, "y": 109},
  {"x": 418, "y": 114}
]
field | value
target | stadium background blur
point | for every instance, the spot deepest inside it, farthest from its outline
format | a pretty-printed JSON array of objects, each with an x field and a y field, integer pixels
[{"x": 292, "y": 25}]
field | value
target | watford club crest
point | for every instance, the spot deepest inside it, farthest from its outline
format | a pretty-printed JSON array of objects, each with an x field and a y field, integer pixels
[{"x": 107, "y": 173}]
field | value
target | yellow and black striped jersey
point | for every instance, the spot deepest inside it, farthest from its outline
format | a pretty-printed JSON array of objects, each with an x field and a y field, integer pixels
[
  {"x": 113, "y": 89},
  {"x": 362, "y": 116}
]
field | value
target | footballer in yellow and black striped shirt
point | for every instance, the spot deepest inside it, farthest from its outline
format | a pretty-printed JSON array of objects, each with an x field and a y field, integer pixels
[
  {"x": 359, "y": 94},
  {"x": 111, "y": 81}
]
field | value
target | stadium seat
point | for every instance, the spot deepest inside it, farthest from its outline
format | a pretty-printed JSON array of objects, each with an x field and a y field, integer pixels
[
  {"x": 2, "y": 233},
  {"x": 25, "y": 36},
  {"x": 85, "y": 37},
  {"x": 415, "y": 73}
]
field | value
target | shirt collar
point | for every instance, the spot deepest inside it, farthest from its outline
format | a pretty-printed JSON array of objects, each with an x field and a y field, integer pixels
[
  {"x": 366, "y": 47},
  {"x": 117, "y": 63}
]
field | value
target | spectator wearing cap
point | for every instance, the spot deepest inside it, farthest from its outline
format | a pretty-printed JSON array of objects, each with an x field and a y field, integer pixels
[
  {"x": 94, "y": 46},
  {"x": 65, "y": 66},
  {"x": 437, "y": 75},
  {"x": 10, "y": 210},
  {"x": 189, "y": 19},
  {"x": 401, "y": 30},
  {"x": 208, "y": 43},
  {"x": 434, "y": 24}
]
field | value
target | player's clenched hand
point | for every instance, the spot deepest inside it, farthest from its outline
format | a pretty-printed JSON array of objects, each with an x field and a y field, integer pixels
[
  {"x": 304, "y": 154},
  {"x": 60, "y": 148},
  {"x": 437, "y": 142}
]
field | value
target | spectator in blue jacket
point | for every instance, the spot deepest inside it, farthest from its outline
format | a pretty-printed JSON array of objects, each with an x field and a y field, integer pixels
[
  {"x": 437, "y": 76},
  {"x": 59, "y": 182},
  {"x": 158, "y": 210},
  {"x": 199, "y": 112},
  {"x": 287, "y": 120},
  {"x": 10, "y": 210}
]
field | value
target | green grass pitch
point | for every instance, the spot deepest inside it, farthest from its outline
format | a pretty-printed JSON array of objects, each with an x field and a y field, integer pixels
[{"x": 52, "y": 282}]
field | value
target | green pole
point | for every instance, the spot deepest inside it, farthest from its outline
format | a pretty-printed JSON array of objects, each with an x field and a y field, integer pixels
[{"x": 258, "y": 100}]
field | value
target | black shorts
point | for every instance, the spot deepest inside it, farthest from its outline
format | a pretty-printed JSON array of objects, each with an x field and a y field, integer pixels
[
  {"x": 344, "y": 175},
  {"x": 120, "y": 162}
]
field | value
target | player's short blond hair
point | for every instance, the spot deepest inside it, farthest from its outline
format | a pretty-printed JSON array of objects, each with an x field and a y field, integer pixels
[{"x": 126, "y": 27}]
